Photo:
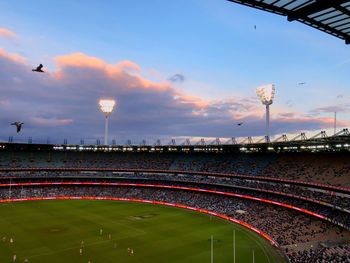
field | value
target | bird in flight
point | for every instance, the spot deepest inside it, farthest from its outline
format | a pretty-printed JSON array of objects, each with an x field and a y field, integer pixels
[
  {"x": 39, "y": 69},
  {"x": 18, "y": 125},
  {"x": 255, "y": 27},
  {"x": 301, "y": 83},
  {"x": 240, "y": 123}
]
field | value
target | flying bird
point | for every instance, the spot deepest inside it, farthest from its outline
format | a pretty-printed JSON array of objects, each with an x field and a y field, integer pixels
[
  {"x": 240, "y": 123},
  {"x": 177, "y": 78},
  {"x": 255, "y": 27},
  {"x": 39, "y": 69},
  {"x": 18, "y": 125},
  {"x": 301, "y": 83}
]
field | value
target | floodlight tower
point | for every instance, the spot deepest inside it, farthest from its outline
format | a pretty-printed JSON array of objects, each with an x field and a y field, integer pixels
[
  {"x": 266, "y": 94},
  {"x": 107, "y": 107}
]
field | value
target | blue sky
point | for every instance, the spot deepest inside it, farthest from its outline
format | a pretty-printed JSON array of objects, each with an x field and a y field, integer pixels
[{"x": 212, "y": 43}]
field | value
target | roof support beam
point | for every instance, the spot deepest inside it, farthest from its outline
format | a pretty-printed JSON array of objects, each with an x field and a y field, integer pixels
[
  {"x": 259, "y": 5},
  {"x": 314, "y": 8}
]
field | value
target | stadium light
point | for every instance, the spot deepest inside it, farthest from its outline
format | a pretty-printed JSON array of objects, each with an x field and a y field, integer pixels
[
  {"x": 107, "y": 107},
  {"x": 266, "y": 94}
]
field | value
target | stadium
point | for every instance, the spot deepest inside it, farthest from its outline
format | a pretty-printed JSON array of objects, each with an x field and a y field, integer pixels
[{"x": 272, "y": 198}]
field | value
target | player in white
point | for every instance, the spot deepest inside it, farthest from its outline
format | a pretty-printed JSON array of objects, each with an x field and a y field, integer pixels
[
  {"x": 14, "y": 258},
  {"x": 81, "y": 251},
  {"x": 109, "y": 236},
  {"x": 82, "y": 244},
  {"x": 26, "y": 260},
  {"x": 101, "y": 232},
  {"x": 11, "y": 240},
  {"x": 130, "y": 251}
]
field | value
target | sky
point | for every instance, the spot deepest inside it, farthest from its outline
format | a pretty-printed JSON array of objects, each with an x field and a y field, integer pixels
[{"x": 178, "y": 69}]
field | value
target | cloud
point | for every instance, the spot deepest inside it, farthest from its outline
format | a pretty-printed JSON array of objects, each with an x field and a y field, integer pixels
[
  {"x": 291, "y": 118},
  {"x": 13, "y": 57},
  {"x": 345, "y": 107},
  {"x": 287, "y": 115},
  {"x": 63, "y": 104},
  {"x": 6, "y": 33},
  {"x": 303, "y": 123},
  {"x": 78, "y": 64},
  {"x": 177, "y": 78},
  {"x": 81, "y": 60},
  {"x": 3, "y": 103},
  {"x": 52, "y": 122}
]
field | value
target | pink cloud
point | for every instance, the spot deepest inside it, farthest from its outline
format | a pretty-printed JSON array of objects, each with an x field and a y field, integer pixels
[
  {"x": 140, "y": 82},
  {"x": 13, "y": 57},
  {"x": 128, "y": 65},
  {"x": 196, "y": 102},
  {"x": 127, "y": 71},
  {"x": 81, "y": 60},
  {"x": 6, "y": 33},
  {"x": 324, "y": 122},
  {"x": 51, "y": 122},
  {"x": 4, "y": 103},
  {"x": 287, "y": 115}
]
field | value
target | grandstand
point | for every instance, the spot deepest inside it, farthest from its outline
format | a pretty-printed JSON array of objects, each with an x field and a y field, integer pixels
[{"x": 304, "y": 193}]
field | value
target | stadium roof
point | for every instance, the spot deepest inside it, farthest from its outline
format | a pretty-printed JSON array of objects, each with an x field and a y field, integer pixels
[
  {"x": 317, "y": 143},
  {"x": 330, "y": 16}
]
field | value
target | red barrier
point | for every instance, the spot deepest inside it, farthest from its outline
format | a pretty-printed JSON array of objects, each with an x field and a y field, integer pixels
[{"x": 273, "y": 242}]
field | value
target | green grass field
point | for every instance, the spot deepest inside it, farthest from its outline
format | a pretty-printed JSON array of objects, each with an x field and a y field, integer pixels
[{"x": 52, "y": 231}]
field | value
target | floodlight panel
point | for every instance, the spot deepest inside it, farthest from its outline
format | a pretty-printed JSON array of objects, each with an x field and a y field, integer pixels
[
  {"x": 266, "y": 93},
  {"x": 106, "y": 105}
]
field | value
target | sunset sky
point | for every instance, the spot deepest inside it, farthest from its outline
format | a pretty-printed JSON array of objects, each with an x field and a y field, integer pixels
[{"x": 178, "y": 69}]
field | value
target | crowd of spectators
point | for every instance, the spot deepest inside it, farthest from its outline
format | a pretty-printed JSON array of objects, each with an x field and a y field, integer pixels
[
  {"x": 331, "y": 198},
  {"x": 333, "y": 169},
  {"x": 328, "y": 204},
  {"x": 334, "y": 254},
  {"x": 301, "y": 237},
  {"x": 325, "y": 168}
]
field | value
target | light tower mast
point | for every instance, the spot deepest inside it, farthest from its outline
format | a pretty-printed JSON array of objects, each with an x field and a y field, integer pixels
[
  {"x": 266, "y": 94},
  {"x": 107, "y": 107}
]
